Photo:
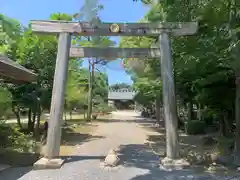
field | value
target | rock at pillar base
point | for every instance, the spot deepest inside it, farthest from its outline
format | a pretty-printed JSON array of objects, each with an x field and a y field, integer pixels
[
  {"x": 168, "y": 163},
  {"x": 45, "y": 163}
]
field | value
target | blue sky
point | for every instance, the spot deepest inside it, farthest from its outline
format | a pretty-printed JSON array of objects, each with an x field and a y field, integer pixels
[{"x": 114, "y": 11}]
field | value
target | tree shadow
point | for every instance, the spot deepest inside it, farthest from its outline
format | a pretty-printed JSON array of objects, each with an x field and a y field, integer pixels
[
  {"x": 184, "y": 174},
  {"x": 80, "y": 122},
  {"x": 15, "y": 158},
  {"x": 71, "y": 138},
  {"x": 14, "y": 173},
  {"x": 140, "y": 156},
  {"x": 137, "y": 155},
  {"x": 116, "y": 120},
  {"x": 194, "y": 143},
  {"x": 17, "y": 172},
  {"x": 69, "y": 159}
]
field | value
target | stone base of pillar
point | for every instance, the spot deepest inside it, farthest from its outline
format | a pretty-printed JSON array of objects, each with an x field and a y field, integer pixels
[
  {"x": 168, "y": 163},
  {"x": 45, "y": 163}
]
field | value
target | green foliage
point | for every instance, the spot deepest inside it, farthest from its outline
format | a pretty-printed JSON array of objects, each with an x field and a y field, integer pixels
[
  {"x": 76, "y": 91},
  {"x": 120, "y": 86},
  {"x": 194, "y": 127},
  {"x": 102, "y": 108},
  {"x": 204, "y": 64},
  {"x": 11, "y": 137},
  {"x": 10, "y": 31},
  {"x": 100, "y": 86},
  {"x": 5, "y": 101},
  {"x": 145, "y": 72}
]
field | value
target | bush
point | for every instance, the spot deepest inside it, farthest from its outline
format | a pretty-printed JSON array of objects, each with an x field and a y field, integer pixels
[
  {"x": 225, "y": 145},
  {"x": 194, "y": 127},
  {"x": 209, "y": 116},
  {"x": 12, "y": 138},
  {"x": 102, "y": 108}
]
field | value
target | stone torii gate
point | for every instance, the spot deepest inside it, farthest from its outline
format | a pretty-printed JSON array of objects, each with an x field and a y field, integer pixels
[{"x": 65, "y": 29}]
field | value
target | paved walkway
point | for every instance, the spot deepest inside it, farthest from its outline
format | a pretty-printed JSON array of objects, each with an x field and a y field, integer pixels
[{"x": 138, "y": 161}]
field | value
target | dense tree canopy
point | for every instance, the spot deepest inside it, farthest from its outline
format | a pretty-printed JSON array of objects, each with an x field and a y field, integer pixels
[
  {"x": 38, "y": 53},
  {"x": 205, "y": 65}
]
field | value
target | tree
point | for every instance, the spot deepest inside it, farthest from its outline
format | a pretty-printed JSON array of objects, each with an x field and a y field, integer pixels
[
  {"x": 76, "y": 87},
  {"x": 120, "y": 86},
  {"x": 90, "y": 12},
  {"x": 145, "y": 73},
  {"x": 205, "y": 65},
  {"x": 37, "y": 53}
]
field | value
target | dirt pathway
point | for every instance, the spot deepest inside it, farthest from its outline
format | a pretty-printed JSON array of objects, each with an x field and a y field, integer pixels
[{"x": 138, "y": 160}]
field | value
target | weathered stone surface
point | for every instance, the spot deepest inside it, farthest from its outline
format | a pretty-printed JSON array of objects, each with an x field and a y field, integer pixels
[
  {"x": 45, "y": 163},
  {"x": 174, "y": 163}
]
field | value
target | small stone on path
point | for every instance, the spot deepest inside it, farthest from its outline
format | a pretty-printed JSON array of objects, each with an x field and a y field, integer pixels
[{"x": 111, "y": 159}]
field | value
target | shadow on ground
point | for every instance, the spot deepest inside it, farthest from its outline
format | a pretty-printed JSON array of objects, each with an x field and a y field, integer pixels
[
  {"x": 69, "y": 159},
  {"x": 14, "y": 173},
  {"x": 140, "y": 156},
  {"x": 71, "y": 137},
  {"x": 125, "y": 120},
  {"x": 193, "y": 143}
]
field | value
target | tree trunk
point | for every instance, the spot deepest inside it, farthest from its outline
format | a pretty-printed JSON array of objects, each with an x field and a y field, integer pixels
[
  {"x": 34, "y": 114},
  {"x": 90, "y": 85},
  {"x": 65, "y": 115},
  {"x": 65, "y": 110},
  {"x": 17, "y": 114},
  {"x": 190, "y": 111},
  {"x": 237, "y": 117},
  {"x": 199, "y": 112},
  {"x": 29, "y": 119},
  {"x": 70, "y": 114},
  {"x": 157, "y": 110},
  {"x": 227, "y": 127},
  {"x": 37, "y": 133}
]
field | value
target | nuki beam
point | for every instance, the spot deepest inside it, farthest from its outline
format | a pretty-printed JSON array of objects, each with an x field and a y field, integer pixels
[
  {"x": 114, "y": 52},
  {"x": 115, "y": 29}
]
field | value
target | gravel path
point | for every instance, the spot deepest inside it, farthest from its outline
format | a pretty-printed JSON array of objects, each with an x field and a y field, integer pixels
[{"x": 138, "y": 161}]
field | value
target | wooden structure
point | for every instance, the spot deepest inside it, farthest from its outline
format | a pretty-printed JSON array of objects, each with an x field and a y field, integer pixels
[
  {"x": 12, "y": 71},
  {"x": 65, "y": 29},
  {"x": 123, "y": 29},
  {"x": 114, "y": 52},
  {"x": 121, "y": 94}
]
